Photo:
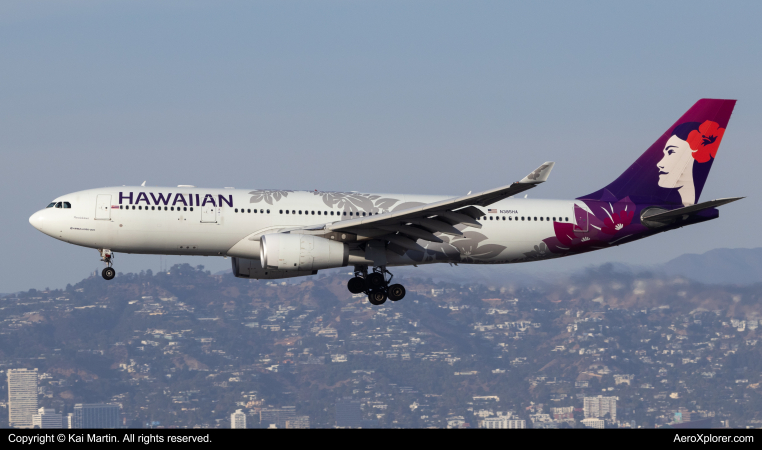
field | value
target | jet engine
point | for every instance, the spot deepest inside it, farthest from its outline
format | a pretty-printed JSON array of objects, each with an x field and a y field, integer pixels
[
  {"x": 301, "y": 252},
  {"x": 251, "y": 268}
]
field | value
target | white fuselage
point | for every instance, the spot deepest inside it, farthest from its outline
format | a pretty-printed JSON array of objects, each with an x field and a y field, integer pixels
[{"x": 229, "y": 222}]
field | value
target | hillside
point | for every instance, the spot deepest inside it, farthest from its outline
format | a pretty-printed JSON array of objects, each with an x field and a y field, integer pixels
[{"x": 187, "y": 348}]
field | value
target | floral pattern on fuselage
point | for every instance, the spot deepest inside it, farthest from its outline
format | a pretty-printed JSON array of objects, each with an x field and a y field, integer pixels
[
  {"x": 268, "y": 195},
  {"x": 467, "y": 249},
  {"x": 607, "y": 224},
  {"x": 355, "y": 201}
]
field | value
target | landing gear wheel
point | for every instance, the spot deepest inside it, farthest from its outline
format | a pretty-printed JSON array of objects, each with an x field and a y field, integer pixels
[
  {"x": 396, "y": 292},
  {"x": 377, "y": 297},
  {"x": 108, "y": 273},
  {"x": 375, "y": 280},
  {"x": 356, "y": 285}
]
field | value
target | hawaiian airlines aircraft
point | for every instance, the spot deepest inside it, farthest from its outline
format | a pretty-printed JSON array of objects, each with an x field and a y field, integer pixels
[{"x": 282, "y": 233}]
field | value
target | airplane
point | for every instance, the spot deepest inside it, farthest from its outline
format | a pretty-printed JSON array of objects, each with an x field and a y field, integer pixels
[{"x": 273, "y": 234}]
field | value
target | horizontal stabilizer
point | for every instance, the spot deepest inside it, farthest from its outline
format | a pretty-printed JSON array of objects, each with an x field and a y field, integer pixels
[{"x": 675, "y": 213}]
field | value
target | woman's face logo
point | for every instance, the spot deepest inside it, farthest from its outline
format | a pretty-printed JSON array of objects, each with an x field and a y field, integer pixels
[{"x": 677, "y": 156}]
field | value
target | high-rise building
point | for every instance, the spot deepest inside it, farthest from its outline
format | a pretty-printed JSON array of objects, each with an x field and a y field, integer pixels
[
  {"x": 238, "y": 419},
  {"x": 600, "y": 406},
  {"x": 95, "y": 415},
  {"x": 277, "y": 416},
  {"x": 348, "y": 413},
  {"x": 47, "y": 418},
  {"x": 68, "y": 421},
  {"x": 22, "y": 397}
]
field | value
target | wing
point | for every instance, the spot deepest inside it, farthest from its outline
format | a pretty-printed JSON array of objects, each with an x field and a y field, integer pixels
[{"x": 406, "y": 226}]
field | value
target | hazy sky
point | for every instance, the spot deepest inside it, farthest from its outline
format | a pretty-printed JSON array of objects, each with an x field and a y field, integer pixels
[{"x": 401, "y": 97}]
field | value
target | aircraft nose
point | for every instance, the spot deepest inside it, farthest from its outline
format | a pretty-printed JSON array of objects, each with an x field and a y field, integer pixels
[{"x": 38, "y": 220}]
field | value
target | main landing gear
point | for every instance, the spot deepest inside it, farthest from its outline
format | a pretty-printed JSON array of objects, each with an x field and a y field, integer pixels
[
  {"x": 375, "y": 285},
  {"x": 106, "y": 256}
]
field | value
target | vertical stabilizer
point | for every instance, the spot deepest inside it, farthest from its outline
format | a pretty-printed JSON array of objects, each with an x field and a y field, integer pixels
[{"x": 674, "y": 169}]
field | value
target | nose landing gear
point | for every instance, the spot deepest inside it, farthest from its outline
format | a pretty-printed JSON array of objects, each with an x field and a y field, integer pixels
[
  {"x": 106, "y": 256},
  {"x": 108, "y": 273},
  {"x": 375, "y": 285}
]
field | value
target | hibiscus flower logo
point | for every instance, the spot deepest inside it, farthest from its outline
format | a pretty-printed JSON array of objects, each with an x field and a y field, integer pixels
[{"x": 705, "y": 141}]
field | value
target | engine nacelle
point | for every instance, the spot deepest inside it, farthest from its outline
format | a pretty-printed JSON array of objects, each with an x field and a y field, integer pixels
[
  {"x": 301, "y": 252},
  {"x": 251, "y": 268}
]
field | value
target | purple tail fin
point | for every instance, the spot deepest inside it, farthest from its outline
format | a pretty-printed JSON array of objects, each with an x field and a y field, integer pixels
[{"x": 674, "y": 169}]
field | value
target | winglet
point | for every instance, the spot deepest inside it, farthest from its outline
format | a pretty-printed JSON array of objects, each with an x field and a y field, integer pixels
[{"x": 540, "y": 174}]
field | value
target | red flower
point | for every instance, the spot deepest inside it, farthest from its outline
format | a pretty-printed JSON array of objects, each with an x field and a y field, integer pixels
[
  {"x": 705, "y": 141},
  {"x": 617, "y": 221}
]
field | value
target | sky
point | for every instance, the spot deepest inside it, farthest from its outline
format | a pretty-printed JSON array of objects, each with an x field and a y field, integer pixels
[{"x": 431, "y": 97}]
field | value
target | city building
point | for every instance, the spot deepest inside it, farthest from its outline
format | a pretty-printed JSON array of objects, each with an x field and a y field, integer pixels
[
  {"x": 298, "y": 422},
  {"x": 277, "y": 416},
  {"x": 95, "y": 415},
  {"x": 47, "y": 418},
  {"x": 22, "y": 397},
  {"x": 68, "y": 421},
  {"x": 348, "y": 413},
  {"x": 238, "y": 419},
  {"x": 593, "y": 422},
  {"x": 563, "y": 414},
  {"x": 541, "y": 420},
  {"x": 600, "y": 406},
  {"x": 503, "y": 422},
  {"x": 623, "y": 379}
]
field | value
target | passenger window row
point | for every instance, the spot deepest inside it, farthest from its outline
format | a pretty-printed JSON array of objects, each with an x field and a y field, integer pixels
[
  {"x": 352, "y": 213},
  {"x": 261, "y": 211},
  {"x": 64, "y": 205},
  {"x": 325, "y": 213},
  {"x": 535, "y": 218},
  {"x": 155, "y": 208}
]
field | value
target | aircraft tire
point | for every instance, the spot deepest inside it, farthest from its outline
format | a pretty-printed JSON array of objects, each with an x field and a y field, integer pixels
[
  {"x": 396, "y": 292},
  {"x": 356, "y": 285},
  {"x": 377, "y": 297},
  {"x": 108, "y": 273},
  {"x": 375, "y": 280}
]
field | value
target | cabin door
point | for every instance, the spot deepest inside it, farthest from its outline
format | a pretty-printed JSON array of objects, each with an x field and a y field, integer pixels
[
  {"x": 208, "y": 214},
  {"x": 581, "y": 220},
  {"x": 103, "y": 207}
]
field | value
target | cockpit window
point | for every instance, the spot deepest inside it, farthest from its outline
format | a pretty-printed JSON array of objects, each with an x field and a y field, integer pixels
[
  {"x": 59, "y": 205},
  {"x": 66, "y": 205},
  {"x": 51, "y": 205}
]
